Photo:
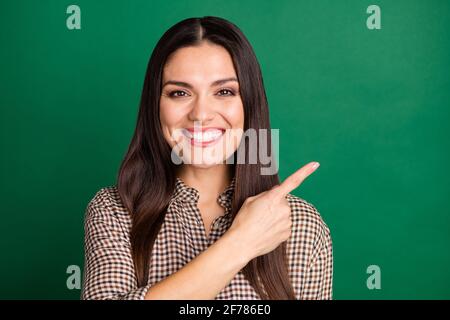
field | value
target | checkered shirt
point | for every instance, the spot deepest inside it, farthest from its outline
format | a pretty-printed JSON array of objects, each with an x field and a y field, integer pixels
[{"x": 108, "y": 267}]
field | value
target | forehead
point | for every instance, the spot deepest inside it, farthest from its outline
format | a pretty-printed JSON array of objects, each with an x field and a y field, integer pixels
[{"x": 206, "y": 62}]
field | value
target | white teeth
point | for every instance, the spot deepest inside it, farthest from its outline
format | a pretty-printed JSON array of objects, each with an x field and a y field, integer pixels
[{"x": 209, "y": 135}]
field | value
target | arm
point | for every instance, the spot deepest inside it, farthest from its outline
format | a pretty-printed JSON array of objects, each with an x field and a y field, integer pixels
[
  {"x": 108, "y": 265},
  {"x": 109, "y": 270},
  {"x": 318, "y": 283},
  {"x": 205, "y": 275}
]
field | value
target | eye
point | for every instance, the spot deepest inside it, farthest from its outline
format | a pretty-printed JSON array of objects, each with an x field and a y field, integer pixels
[
  {"x": 177, "y": 94},
  {"x": 230, "y": 92}
]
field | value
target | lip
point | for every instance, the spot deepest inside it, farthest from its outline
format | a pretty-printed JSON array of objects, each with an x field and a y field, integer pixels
[{"x": 203, "y": 144}]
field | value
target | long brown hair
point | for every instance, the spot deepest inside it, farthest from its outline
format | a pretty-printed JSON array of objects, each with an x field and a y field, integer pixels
[{"x": 147, "y": 177}]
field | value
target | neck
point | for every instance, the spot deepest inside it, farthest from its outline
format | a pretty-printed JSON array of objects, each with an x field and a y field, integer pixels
[{"x": 209, "y": 182}]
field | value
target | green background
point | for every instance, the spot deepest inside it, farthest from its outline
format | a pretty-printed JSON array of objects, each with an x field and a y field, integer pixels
[{"x": 372, "y": 106}]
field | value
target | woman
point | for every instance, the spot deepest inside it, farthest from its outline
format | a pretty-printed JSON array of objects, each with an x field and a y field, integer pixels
[{"x": 208, "y": 227}]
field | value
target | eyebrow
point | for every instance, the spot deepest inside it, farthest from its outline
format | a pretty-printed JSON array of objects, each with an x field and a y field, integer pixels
[{"x": 187, "y": 85}]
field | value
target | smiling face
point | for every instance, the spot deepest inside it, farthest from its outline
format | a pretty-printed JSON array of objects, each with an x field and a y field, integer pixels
[{"x": 201, "y": 111}]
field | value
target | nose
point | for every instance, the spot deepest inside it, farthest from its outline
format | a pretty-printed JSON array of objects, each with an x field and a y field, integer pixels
[{"x": 202, "y": 110}]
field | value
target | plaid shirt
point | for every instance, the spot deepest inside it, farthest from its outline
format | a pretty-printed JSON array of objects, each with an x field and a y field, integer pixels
[{"x": 109, "y": 270}]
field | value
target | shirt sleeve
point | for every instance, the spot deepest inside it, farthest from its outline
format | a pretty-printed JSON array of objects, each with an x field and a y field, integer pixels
[
  {"x": 318, "y": 284},
  {"x": 108, "y": 266}
]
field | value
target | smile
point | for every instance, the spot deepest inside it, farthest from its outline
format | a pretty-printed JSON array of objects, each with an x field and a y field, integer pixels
[{"x": 203, "y": 137}]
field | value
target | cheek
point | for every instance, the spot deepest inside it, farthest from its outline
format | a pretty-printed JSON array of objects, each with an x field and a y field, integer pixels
[
  {"x": 234, "y": 115},
  {"x": 169, "y": 118}
]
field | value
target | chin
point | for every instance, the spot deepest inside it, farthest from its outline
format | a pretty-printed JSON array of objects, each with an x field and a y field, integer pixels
[
  {"x": 206, "y": 162},
  {"x": 203, "y": 165}
]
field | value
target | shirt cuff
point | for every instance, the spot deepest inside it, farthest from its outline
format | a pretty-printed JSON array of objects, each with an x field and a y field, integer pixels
[{"x": 137, "y": 294}]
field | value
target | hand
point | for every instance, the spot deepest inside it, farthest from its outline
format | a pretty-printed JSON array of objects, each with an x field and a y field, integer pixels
[{"x": 264, "y": 220}]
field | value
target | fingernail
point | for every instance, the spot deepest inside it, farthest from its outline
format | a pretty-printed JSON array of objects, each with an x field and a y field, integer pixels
[{"x": 315, "y": 165}]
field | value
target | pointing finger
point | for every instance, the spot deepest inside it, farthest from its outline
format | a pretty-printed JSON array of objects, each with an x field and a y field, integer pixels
[{"x": 294, "y": 180}]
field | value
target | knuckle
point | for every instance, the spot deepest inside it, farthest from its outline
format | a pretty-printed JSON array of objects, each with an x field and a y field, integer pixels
[
  {"x": 269, "y": 196},
  {"x": 274, "y": 188}
]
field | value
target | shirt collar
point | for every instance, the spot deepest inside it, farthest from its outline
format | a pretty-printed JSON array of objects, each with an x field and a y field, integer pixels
[{"x": 185, "y": 193}]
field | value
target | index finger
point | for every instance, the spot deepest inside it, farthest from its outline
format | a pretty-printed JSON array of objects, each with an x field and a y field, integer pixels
[{"x": 294, "y": 180}]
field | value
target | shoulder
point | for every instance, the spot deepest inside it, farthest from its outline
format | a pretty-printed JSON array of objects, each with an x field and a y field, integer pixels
[
  {"x": 107, "y": 198},
  {"x": 106, "y": 204},
  {"x": 307, "y": 220}
]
